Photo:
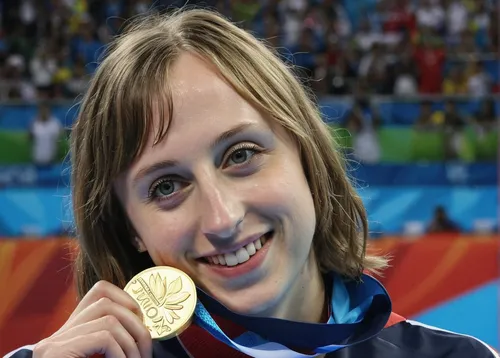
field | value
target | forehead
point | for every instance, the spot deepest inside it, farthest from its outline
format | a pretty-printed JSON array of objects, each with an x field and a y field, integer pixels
[
  {"x": 204, "y": 105},
  {"x": 201, "y": 95}
]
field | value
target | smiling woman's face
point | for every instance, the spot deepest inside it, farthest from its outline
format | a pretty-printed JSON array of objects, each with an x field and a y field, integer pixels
[{"x": 224, "y": 198}]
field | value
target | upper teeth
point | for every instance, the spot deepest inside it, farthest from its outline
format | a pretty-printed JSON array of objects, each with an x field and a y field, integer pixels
[{"x": 239, "y": 256}]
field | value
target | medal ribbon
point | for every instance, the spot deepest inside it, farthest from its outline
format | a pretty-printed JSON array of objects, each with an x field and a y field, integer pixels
[{"x": 360, "y": 311}]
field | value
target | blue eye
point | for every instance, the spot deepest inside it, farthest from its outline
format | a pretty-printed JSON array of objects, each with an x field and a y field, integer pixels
[
  {"x": 241, "y": 156},
  {"x": 164, "y": 187}
]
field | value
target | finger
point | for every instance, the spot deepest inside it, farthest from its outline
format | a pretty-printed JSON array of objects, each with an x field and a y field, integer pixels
[
  {"x": 107, "y": 323},
  {"x": 96, "y": 343},
  {"x": 101, "y": 342},
  {"x": 106, "y": 289},
  {"x": 132, "y": 323}
]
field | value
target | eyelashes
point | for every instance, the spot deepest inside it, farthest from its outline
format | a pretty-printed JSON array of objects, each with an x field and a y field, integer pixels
[
  {"x": 249, "y": 149},
  {"x": 238, "y": 157},
  {"x": 164, "y": 186}
]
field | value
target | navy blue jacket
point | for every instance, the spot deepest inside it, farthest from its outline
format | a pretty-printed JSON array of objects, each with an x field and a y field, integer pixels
[{"x": 405, "y": 339}]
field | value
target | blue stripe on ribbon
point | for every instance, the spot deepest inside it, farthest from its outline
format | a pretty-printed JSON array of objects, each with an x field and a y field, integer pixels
[{"x": 360, "y": 311}]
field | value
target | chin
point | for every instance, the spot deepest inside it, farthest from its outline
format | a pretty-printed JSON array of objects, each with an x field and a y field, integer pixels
[{"x": 253, "y": 302}]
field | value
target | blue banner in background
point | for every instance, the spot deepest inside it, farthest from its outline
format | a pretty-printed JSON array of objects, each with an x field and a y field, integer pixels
[
  {"x": 47, "y": 211},
  {"x": 431, "y": 174},
  {"x": 36, "y": 201},
  {"x": 21, "y": 176}
]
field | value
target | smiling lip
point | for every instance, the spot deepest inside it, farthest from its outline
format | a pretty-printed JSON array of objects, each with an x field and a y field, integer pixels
[{"x": 253, "y": 263}]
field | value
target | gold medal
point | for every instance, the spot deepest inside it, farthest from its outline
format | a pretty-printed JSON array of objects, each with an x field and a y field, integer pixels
[{"x": 167, "y": 297}]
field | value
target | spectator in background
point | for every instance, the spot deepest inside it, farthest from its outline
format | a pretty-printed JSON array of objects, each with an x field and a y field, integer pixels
[
  {"x": 456, "y": 82},
  {"x": 63, "y": 73},
  {"x": 480, "y": 24},
  {"x": 430, "y": 57},
  {"x": 454, "y": 124},
  {"x": 45, "y": 132},
  {"x": 315, "y": 19},
  {"x": 86, "y": 46},
  {"x": 430, "y": 14},
  {"x": 291, "y": 16},
  {"x": 374, "y": 69},
  {"x": 481, "y": 16},
  {"x": 337, "y": 16},
  {"x": 428, "y": 119},
  {"x": 467, "y": 45},
  {"x": 441, "y": 223},
  {"x": 43, "y": 67},
  {"x": 399, "y": 21},
  {"x": 78, "y": 83},
  {"x": 405, "y": 73},
  {"x": 377, "y": 17},
  {"x": 399, "y": 17},
  {"x": 28, "y": 16},
  {"x": 341, "y": 76},
  {"x": 58, "y": 18},
  {"x": 362, "y": 123},
  {"x": 479, "y": 82},
  {"x": 366, "y": 37},
  {"x": 18, "y": 87},
  {"x": 493, "y": 33},
  {"x": 485, "y": 119},
  {"x": 456, "y": 18}
]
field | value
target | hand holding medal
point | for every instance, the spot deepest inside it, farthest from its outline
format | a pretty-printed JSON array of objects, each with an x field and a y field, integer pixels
[{"x": 107, "y": 322}]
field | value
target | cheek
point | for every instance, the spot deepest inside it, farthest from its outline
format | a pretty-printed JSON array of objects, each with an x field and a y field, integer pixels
[
  {"x": 164, "y": 238},
  {"x": 285, "y": 191}
]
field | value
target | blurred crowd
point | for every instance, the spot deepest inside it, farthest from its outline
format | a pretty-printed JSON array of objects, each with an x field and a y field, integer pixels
[
  {"x": 398, "y": 49},
  {"x": 48, "y": 48}
]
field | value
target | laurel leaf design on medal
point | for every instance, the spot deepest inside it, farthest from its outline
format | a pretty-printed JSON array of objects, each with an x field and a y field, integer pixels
[{"x": 160, "y": 301}]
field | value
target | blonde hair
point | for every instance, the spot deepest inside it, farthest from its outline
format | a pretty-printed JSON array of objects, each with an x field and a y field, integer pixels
[{"x": 115, "y": 121}]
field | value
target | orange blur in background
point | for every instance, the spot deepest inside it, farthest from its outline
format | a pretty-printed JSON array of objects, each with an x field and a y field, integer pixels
[{"x": 37, "y": 293}]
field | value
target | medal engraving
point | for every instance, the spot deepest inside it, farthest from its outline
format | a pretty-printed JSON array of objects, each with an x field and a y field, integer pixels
[{"x": 167, "y": 298}]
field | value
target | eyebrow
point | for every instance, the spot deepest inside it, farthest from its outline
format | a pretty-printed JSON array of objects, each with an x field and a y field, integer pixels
[
  {"x": 164, "y": 164},
  {"x": 230, "y": 133}
]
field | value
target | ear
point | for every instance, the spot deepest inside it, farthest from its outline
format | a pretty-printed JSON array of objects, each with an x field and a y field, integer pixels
[
  {"x": 136, "y": 240},
  {"x": 139, "y": 244}
]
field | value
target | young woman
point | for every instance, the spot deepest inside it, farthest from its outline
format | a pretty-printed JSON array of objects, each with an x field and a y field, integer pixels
[{"x": 196, "y": 148}]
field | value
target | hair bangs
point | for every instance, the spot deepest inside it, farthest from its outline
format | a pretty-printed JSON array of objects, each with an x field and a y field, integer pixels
[{"x": 143, "y": 105}]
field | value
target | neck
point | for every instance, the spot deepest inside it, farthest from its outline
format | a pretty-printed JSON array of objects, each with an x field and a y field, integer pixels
[{"x": 305, "y": 299}]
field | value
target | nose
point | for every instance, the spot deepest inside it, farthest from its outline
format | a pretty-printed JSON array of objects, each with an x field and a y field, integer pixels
[{"x": 222, "y": 212}]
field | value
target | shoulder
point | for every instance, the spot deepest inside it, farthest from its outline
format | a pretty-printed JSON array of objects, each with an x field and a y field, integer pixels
[
  {"x": 418, "y": 339},
  {"x": 409, "y": 339}
]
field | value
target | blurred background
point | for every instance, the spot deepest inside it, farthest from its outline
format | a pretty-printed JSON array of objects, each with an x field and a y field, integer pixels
[{"x": 409, "y": 89}]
